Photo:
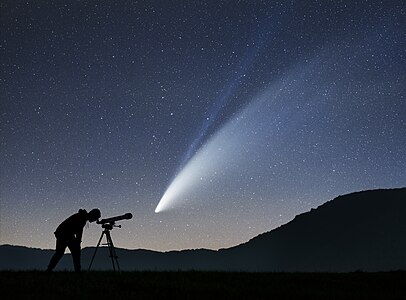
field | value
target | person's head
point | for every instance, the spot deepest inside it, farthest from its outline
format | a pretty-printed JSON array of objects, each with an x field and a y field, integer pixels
[{"x": 94, "y": 215}]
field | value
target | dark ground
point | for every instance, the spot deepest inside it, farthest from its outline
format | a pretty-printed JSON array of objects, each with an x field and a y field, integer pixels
[{"x": 201, "y": 285}]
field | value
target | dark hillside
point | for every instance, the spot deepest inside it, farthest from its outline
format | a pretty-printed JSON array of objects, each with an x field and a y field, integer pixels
[{"x": 359, "y": 231}]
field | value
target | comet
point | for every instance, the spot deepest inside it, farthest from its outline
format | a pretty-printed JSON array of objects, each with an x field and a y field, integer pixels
[{"x": 254, "y": 135}]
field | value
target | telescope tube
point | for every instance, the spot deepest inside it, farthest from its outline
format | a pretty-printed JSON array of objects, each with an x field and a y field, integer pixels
[{"x": 126, "y": 216}]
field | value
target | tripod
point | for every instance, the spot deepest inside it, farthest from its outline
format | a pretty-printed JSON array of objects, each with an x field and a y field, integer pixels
[{"x": 114, "y": 258}]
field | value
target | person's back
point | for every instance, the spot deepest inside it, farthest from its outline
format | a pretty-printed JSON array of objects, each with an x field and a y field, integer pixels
[{"x": 72, "y": 226}]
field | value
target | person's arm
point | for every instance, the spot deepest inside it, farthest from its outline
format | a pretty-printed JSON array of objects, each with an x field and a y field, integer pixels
[{"x": 79, "y": 235}]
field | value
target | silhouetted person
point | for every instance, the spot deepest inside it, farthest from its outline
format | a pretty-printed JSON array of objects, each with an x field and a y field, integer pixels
[{"x": 69, "y": 234}]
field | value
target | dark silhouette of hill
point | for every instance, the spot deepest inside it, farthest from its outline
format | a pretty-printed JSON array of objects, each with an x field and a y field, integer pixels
[{"x": 359, "y": 231}]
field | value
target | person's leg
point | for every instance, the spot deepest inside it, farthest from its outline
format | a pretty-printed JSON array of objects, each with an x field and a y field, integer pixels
[
  {"x": 60, "y": 250},
  {"x": 74, "y": 247}
]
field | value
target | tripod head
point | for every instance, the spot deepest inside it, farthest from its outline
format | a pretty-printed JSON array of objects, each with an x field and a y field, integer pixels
[{"x": 109, "y": 226}]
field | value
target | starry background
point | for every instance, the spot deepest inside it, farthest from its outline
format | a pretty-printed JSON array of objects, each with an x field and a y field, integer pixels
[{"x": 103, "y": 103}]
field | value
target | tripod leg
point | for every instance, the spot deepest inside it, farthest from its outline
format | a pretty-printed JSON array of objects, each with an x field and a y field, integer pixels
[
  {"x": 113, "y": 255},
  {"x": 95, "y": 250}
]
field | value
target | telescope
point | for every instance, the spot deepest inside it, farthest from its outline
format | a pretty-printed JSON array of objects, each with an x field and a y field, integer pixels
[
  {"x": 107, "y": 225},
  {"x": 112, "y": 220}
]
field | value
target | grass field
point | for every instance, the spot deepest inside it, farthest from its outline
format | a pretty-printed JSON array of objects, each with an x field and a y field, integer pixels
[{"x": 201, "y": 285}]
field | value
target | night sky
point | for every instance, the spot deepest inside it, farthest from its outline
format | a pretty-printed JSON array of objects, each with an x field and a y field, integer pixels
[{"x": 246, "y": 112}]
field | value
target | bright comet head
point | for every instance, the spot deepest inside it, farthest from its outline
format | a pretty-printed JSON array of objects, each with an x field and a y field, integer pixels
[{"x": 207, "y": 163}]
